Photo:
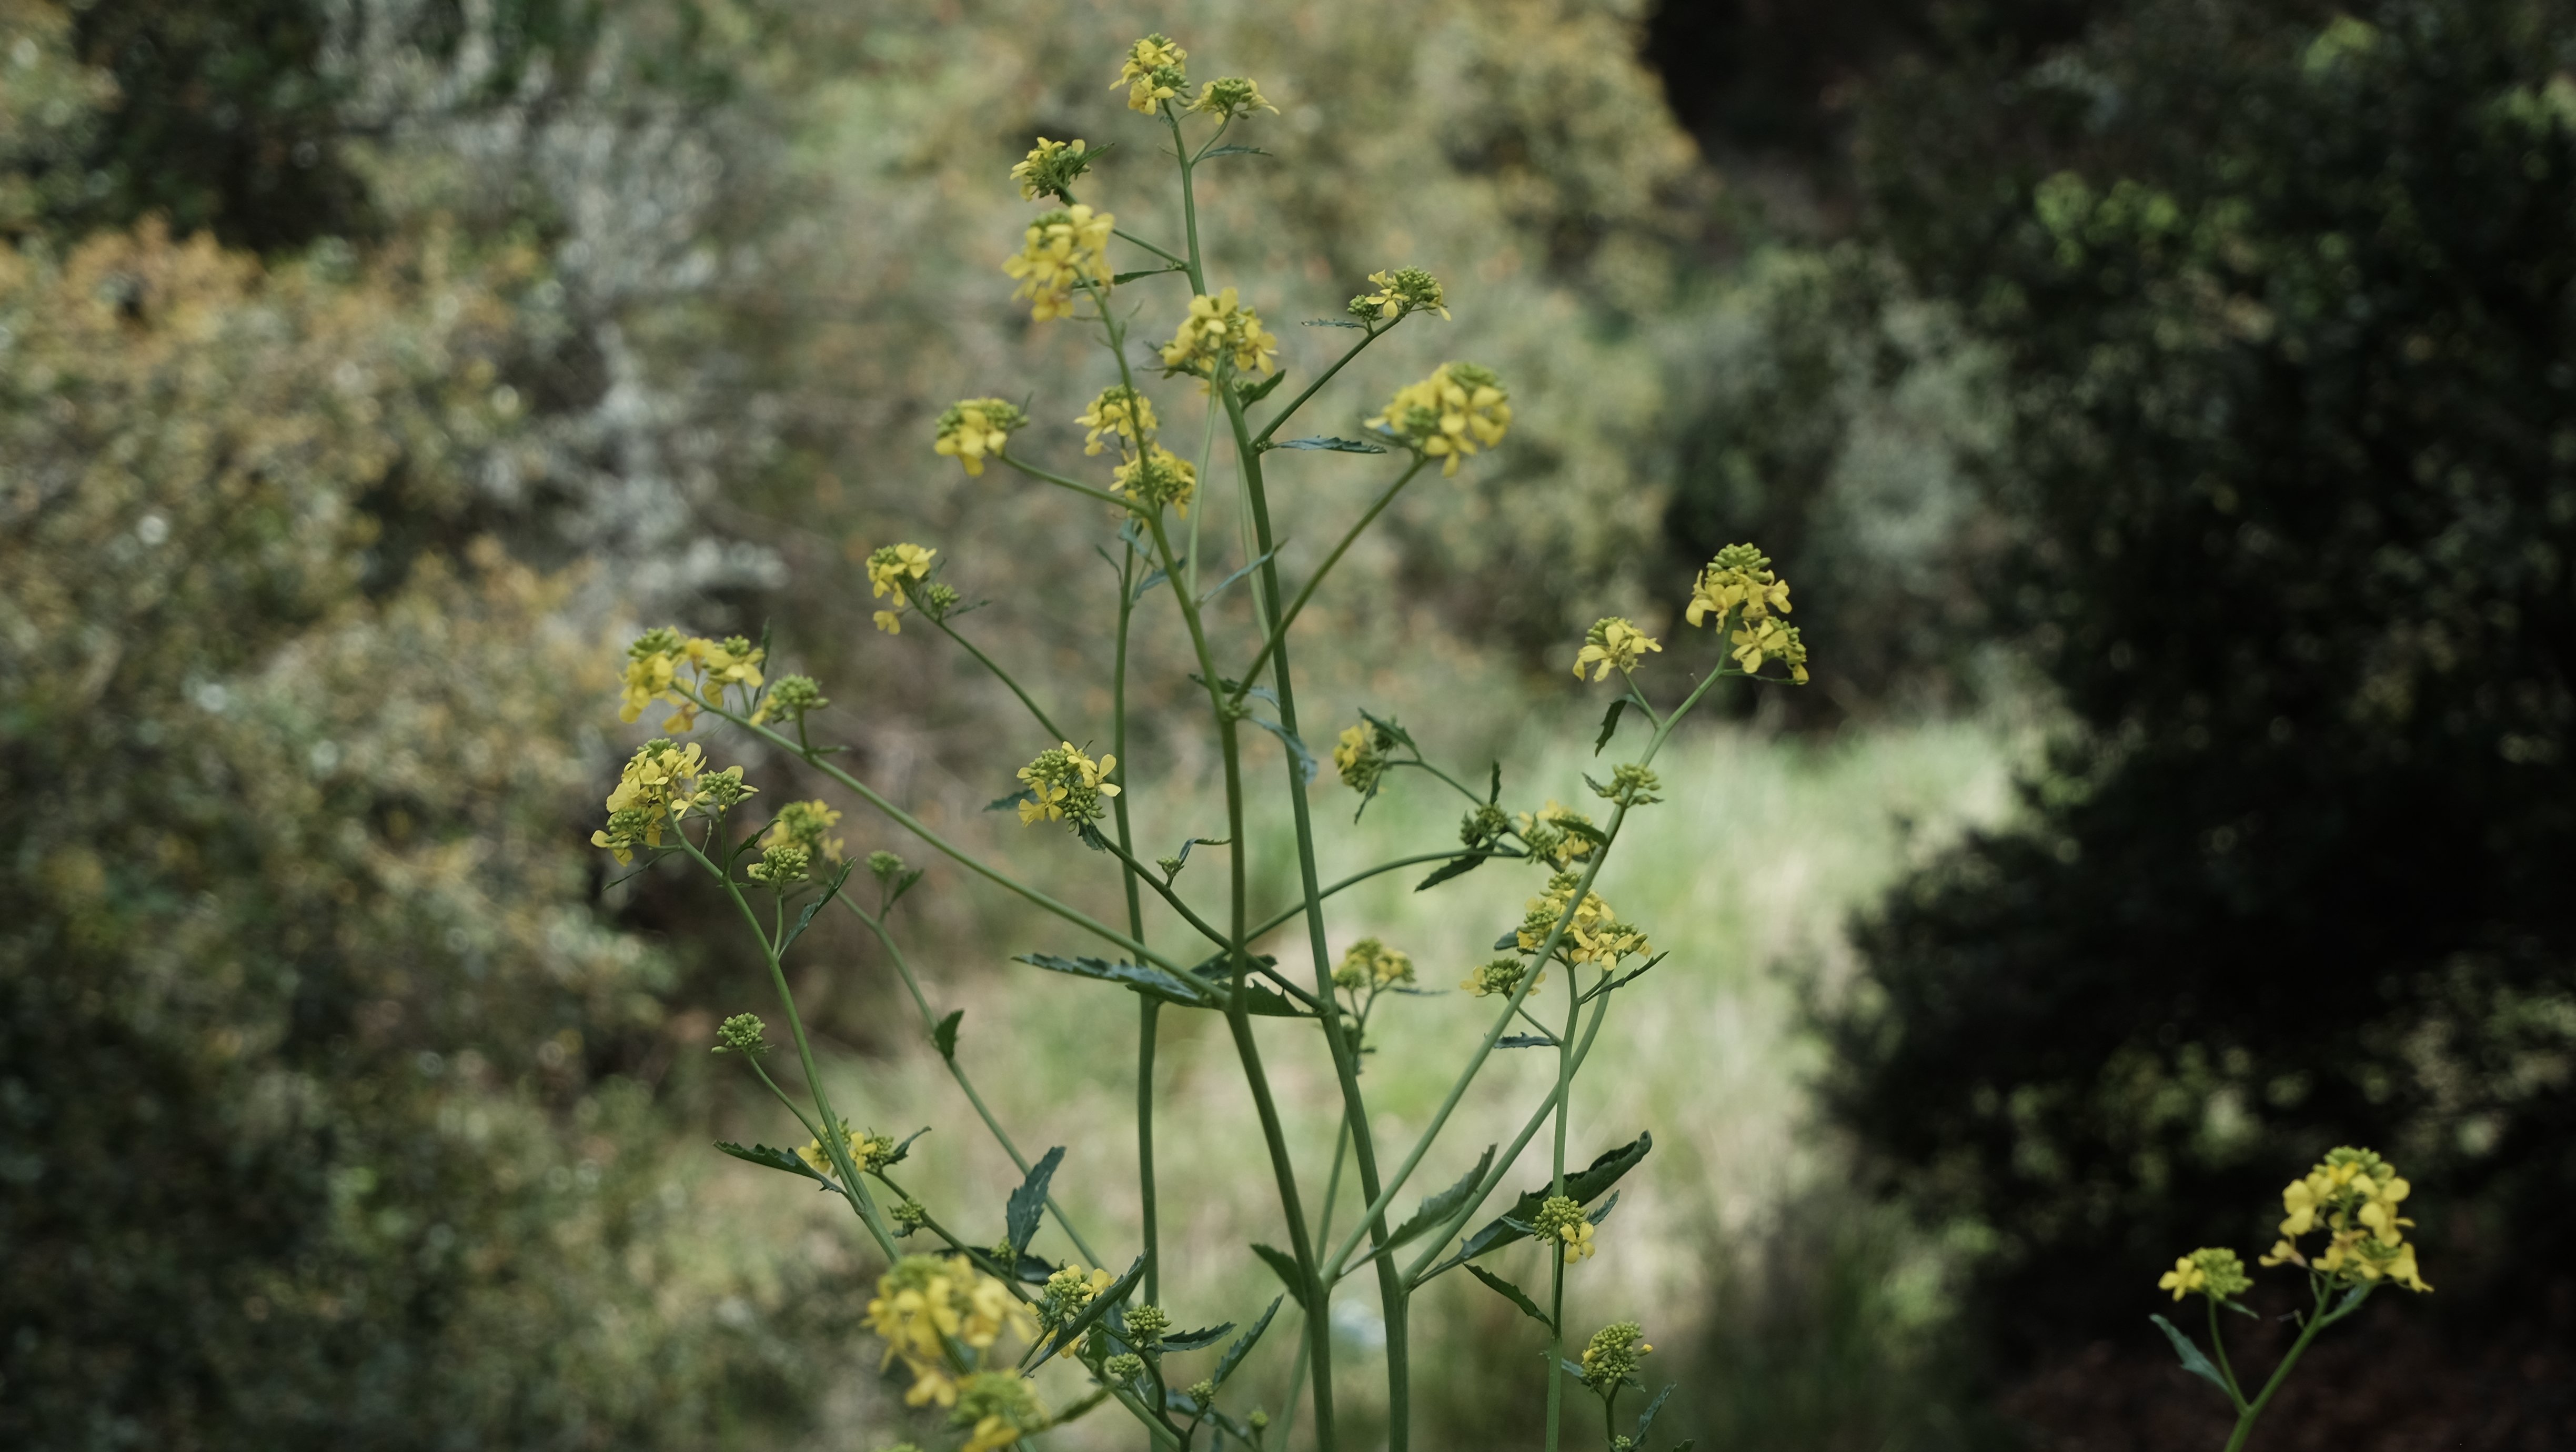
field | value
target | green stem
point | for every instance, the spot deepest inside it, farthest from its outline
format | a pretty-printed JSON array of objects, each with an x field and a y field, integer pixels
[
  {"x": 1148, "y": 1010},
  {"x": 1275, "y": 921},
  {"x": 1045, "y": 476},
  {"x": 1277, "y": 643},
  {"x": 1262, "y": 439},
  {"x": 2318, "y": 1320},
  {"x": 957, "y": 1071},
  {"x": 1555, "y": 1342},
  {"x": 1564, "y": 1107},
  {"x": 1391, "y": 1290},
  {"x": 1004, "y": 677},
  {"x": 2218, "y": 1345}
]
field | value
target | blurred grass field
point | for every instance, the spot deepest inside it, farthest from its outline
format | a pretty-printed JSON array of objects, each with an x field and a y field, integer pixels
[{"x": 1745, "y": 874}]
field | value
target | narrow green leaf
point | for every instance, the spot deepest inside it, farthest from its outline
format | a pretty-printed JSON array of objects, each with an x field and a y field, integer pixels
[
  {"x": 1394, "y": 729},
  {"x": 1646, "y": 1418},
  {"x": 805, "y": 919},
  {"x": 1219, "y": 587},
  {"x": 1255, "y": 392},
  {"x": 1609, "y": 724},
  {"x": 1028, "y": 1203},
  {"x": 1297, "y": 751},
  {"x": 1142, "y": 978},
  {"x": 1436, "y": 1209},
  {"x": 1194, "y": 1340},
  {"x": 1513, "y": 1294},
  {"x": 1583, "y": 1187},
  {"x": 1004, "y": 804},
  {"x": 1285, "y": 1265},
  {"x": 776, "y": 1159},
  {"x": 945, "y": 1036},
  {"x": 1243, "y": 1344},
  {"x": 1331, "y": 323},
  {"x": 1526, "y": 1041},
  {"x": 2193, "y": 1360},
  {"x": 1124, "y": 278},
  {"x": 1330, "y": 444},
  {"x": 1496, "y": 794},
  {"x": 905, "y": 1148},
  {"x": 1236, "y": 150},
  {"x": 1458, "y": 866},
  {"x": 1100, "y": 1306}
]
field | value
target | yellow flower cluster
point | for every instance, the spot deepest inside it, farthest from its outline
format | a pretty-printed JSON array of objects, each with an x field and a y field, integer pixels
[
  {"x": 662, "y": 665},
  {"x": 868, "y": 1151},
  {"x": 2353, "y": 1196},
  {"x": 1549, "y": 842},
  {"x": 926, "y": 1301},
  {"x": 807, "y": 825},
  {"x": 1405, "y": 290},
  {"x": 661, "y": 783},
  {"x": 1499, "y": 978},
  {"x": 890, "y": 568},
  {"x": 1153, "y": 73},
  {"x": 1360, "y": 757},
  {"x": 1121, "y": 412},
  {"x": 1229, "y": 97},
  {"x": 1739, "y": 586},
  {"x": 1369, "y": 963},
  {"x": 972, "y": 429},
  {"x": 1158, "y": 478},
  {"x": 1063, "y": 252},
  {"x": 1064, "y": 785},
  {"x": 1049, "y": 169},
  {"x": 1561, "y": 1220},
  {"x": 1448, "y": 416},
  {"x": 1592, "y": 935},
  {"x": 1065, "y": 1294},
  {"x": 996, "y": 1407},
  {"x": 1614, "y": 1355},
  {"x": 2217, "y": 1273},
  {"x": 1219, "y": 328},
  {"x": 1613, "y": 643}
]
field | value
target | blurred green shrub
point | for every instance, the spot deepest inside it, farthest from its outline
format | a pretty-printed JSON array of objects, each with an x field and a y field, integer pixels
[
  {"x": 324, "y": 1106},
  {"x": 2283, "y": 310}
]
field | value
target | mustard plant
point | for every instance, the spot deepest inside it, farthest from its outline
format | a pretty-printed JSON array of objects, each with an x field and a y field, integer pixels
[{"x": 968, "y": 1319}]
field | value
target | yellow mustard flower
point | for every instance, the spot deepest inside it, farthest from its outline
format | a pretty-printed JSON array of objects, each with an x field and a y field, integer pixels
[
  {"x": 997, "y": 1408},
  {"x": 1448, "y": 416},
  {"x": 652, "y": 668},
  {"x": 2353, "y": 1196},
  {"x": 890, "y": 566},
  {"x": 1153, "y": 73},
  {"x": 1229, "y": 97},
  {"x": 974, "y": 429},
  {"x": 1065, "y": 785},
  {"x": 660, "y": 784},
  {"x": 1739, "y": 579},
  {"x": 1613, "y": 643},
  {"x": 807, "y": 825},
  {"x": 1050, "y": 168},
  {"x": 1768, "y": 639},
  {"x": 1220, "y": 328},
  {"x": 1561, "y": 1220},
  {"x": 1121, "y": 412},
  {"x": 925, "y": 1301},
  {"x": 1062, "y": 252},
  {"x": 2216, "y": 1272},
  {"x": 1158, "y": 478},
  {"x": 1369, "y": 963},
  {"x": 1546, "y": 835},
  {"x": 1400, "y": 292}
]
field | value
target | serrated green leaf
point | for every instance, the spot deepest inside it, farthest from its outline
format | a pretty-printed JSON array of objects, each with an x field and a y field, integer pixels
[
  {"x": 1458, "y": 866},
  {"x": 1028, "y": 1203},
  {"x": 1435, "y": 1210},
  {"x": 1583, "y": 1187},
  {"x": 1243, "y": 1344},
  {"x": 2193, "y": 1360},
  {"x": 1004, "y": 804},
  {"x": 1255, "y": 392},
  {"x": 1235, "y": 150},
  {"x": 896, "y": 1156},
  {"x": 1331, "y": 444},
  {"x": 1331, "y": 323},
  {"x": 1284, "y": 1266},
  {"x": 775, "y": 1159},
  {"x": 1646, "y": 1418},
  {"x": 1124, "y": 278},
  {"x": 1194, "y": 1340},
  {"x": 1513, "y": 1294}
]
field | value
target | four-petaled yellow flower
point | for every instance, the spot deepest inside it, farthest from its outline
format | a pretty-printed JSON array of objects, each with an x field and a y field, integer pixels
[
  {"x": 1768, "y": 639},
  {"x": 1402, "y": 291},
  {"x": 807, "y": 825},
  {"x": 925, "y": 1301},
  {"x": 662, "y": 783},
  {"x": 1219, "y": 328},
  {"x": 890, "y": 567},
  {"x": 973, "y": 429},
  {"x": 996, "y": 1407},
  {"x": 658, "y": 656},
  {"x": 2218, "y": 1273},
  {"x": 1369, "y": 963},
  {"x": 1153, "y": 73},
  {"x": 1158, "y": 478},
  {"x": 2352, "y": 1195},
  {"x": 1613, "y": 643},
  {"x": 1063, "y": 252},
  {"x": 1448, "y": 416},
  {"x": 1064, "y": 785},
  {"x": 1740, "y": 578},
  {"x": 1561, "y": 1220},
  {"x": 1119, "y": 411},
  {"x": 1050, "y": 167}
]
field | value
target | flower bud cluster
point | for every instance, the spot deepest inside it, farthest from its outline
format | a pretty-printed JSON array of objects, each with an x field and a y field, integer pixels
[
  {"x": 807, "y": 825},
  {"x": 1230, "y": 96},
  {"x": 869, "y": 1151},
  {"x": 2216, "y": 1273},
  {"x": 1617, "y": 1350},
  {"x": 1561, "y": 1220},
  {"x": 1612, "y": 644},
  {"x": 1739, "y": 586},
  {"x": 1499, "y": 978},
  {"x": 1360, "y": 756},
  {"x": 1548, "y": 840},
  {"x": 1065, "y": 785},
  {"x": 782, "y": 866},
  {"x": 1448, "y": 416},
  {"x": 743, "y": 1033},
  {"x": 1158, "y": 478},
  {"x": 790, "y": 698},
  {"x": 1371, "y": 964},
  {"x": 1062, "y": 253},
  {"x": 1404, "y": 291},
  {"x": 1050, "y": 168},
  {"x": 1066, "y": 1293},
  {"x": 1630, "y": 785}
]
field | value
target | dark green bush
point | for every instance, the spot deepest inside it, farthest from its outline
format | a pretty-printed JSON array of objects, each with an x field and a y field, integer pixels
[{"x": 2285, "y": 306}]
